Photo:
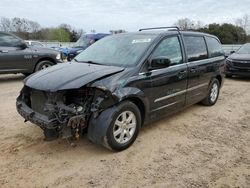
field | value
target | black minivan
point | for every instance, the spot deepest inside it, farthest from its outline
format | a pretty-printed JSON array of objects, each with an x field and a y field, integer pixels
[{"x": 122, "y": 82}]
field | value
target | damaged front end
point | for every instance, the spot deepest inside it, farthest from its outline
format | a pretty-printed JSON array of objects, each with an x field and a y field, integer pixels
[{"x": 63, "y": 113}]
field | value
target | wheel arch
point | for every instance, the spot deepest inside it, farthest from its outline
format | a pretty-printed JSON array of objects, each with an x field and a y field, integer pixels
[
  {"x": 139, "y": 103},
  {"x": 98, "y": 126},
  {"x": 44, "y": 59},
  {"x": 219, "y": 78}
]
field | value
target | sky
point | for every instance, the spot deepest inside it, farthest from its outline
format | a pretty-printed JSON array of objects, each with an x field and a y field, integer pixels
[{"x": 104, "y": 15}]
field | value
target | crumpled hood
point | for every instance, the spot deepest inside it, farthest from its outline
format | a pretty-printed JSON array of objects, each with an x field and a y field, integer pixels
[
  {"x": 236, "y": 56},
  {"x": 69, "y": 76}
]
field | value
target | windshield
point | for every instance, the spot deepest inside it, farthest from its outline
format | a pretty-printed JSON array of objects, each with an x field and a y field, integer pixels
[
  {"x": 83, "y": 42},
  {"x": 245, "y": 49},
  {"x": 118, "y": 50}
]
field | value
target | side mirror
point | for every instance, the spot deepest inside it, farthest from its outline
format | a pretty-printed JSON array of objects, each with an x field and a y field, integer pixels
[
  {"x": 159, "y": 63},
  {"x": 232, "y": 52}
]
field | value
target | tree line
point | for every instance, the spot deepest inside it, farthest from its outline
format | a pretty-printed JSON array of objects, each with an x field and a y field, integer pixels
[
  {"x": 228, "y": 33},
  {"x": 30, "y": 30}
]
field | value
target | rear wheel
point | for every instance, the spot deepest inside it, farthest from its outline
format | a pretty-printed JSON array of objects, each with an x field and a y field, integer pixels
[
  {"x": 124, "y": 127},
  {"x": 213, "y": 93},
  {"x": 43, "y": 65}
]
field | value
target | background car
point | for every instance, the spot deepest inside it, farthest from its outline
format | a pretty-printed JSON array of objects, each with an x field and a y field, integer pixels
[
  {"x": 83, "y": 42},
  {"x": 239, "y": 62},
  {"x": 17, "y": 57},
  {"x": 34, "y": 43}
]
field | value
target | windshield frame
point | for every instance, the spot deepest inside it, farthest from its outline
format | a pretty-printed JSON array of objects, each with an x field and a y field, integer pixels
[
  {"x": 243, "y": 46},
  {"x": 82, "y": 40},
  {"x": 144, "y": 53}
]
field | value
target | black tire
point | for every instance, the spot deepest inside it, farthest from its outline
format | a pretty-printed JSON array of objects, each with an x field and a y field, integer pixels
[
  {"x": 68, "y": 59},
  {"x": 43, "y": 64},
  {"x": 229, "y": 75},
  {"x": 64, "y": 57},
  {"x": 211, "y": 99},
  {"x": 111, "y": 139},
  {"x": 26, "y": 74}
]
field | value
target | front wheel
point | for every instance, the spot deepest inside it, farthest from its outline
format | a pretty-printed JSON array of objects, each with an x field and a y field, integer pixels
[
  {"x": 213, "y": 93},
  {"x": 43, "y": 65},
  {"x": 229, "y": 75},
  {"x": 124, "y": 127},
  {"x": 26, "y": 74}
]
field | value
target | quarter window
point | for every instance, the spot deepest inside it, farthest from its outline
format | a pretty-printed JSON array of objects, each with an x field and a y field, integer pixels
[
  {"x": 196, "y": 48},
  {"x": 214, "y": 47},
  {"x": 171, "y": 49}
]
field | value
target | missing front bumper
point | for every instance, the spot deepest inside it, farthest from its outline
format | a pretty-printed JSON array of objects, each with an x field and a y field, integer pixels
[
  {"x": 52, "y": 128},
  {"x": 30, "y": 115}
]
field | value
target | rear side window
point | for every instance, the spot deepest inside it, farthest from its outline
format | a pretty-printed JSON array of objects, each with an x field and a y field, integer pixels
[
  {"x": 196, "y": 48},
  {"x": 9, "y": 40},
  {"x": 214, "y": 47}
]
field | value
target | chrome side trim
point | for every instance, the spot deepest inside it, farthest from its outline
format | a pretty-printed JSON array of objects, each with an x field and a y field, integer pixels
[
  {"x": 209, "y": 60},
  {"x": 197, "y": 87},
  {"x": 180, "y": 92},
  {"x": 165, "y": 106},
  {"x": 197, "y": 94},
  {"x": 170, "y": 96}
]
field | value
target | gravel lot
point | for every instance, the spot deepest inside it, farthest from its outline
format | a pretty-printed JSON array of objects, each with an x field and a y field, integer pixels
[{"x": 198, "y": 147}]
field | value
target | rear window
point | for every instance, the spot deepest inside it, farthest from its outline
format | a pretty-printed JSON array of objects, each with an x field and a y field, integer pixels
[
  {"x": 214, "y": 47},
  {"x": 196, "y": 48}
]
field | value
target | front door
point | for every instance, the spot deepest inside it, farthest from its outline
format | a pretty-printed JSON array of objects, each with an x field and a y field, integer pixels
[{"x": 168, "y": 85}]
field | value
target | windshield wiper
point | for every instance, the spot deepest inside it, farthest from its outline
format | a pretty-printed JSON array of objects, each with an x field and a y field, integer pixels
[
  {"x": 89, "y": 62},
  {"x": 92, "y": 62}
]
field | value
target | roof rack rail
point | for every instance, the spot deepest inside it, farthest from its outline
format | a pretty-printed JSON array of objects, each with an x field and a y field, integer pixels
[{"x": 153, "y": 28}]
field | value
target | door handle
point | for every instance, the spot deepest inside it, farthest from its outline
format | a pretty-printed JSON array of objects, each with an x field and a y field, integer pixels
[
  {"x": 183, "y": 72},
  {"x": 193, "y": 70},
  {"x": 4, "y": 51}
]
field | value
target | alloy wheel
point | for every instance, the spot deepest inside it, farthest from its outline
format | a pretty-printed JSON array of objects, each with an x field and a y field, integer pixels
[
  {"x": 45, "y": 66},
  {"x": 124, "y": 128},
  {"x": 214, "y": 92}
]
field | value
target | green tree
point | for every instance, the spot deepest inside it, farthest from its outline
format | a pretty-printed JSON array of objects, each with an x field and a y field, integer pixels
[
  {"x": 59, "y": 34},
  {"x": 227, "y": 33}
]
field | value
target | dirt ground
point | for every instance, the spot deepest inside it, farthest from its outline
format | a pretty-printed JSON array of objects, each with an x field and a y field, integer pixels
[{"x": 198, "y": 147}]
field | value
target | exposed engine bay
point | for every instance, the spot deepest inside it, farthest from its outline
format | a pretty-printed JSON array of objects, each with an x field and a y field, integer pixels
[{"x": 63, "y": 113}]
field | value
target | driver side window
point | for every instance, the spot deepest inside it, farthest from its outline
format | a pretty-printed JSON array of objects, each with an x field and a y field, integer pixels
[
  {"x": 7, "y": 40},
  {"x": 169, "y": 48}
]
